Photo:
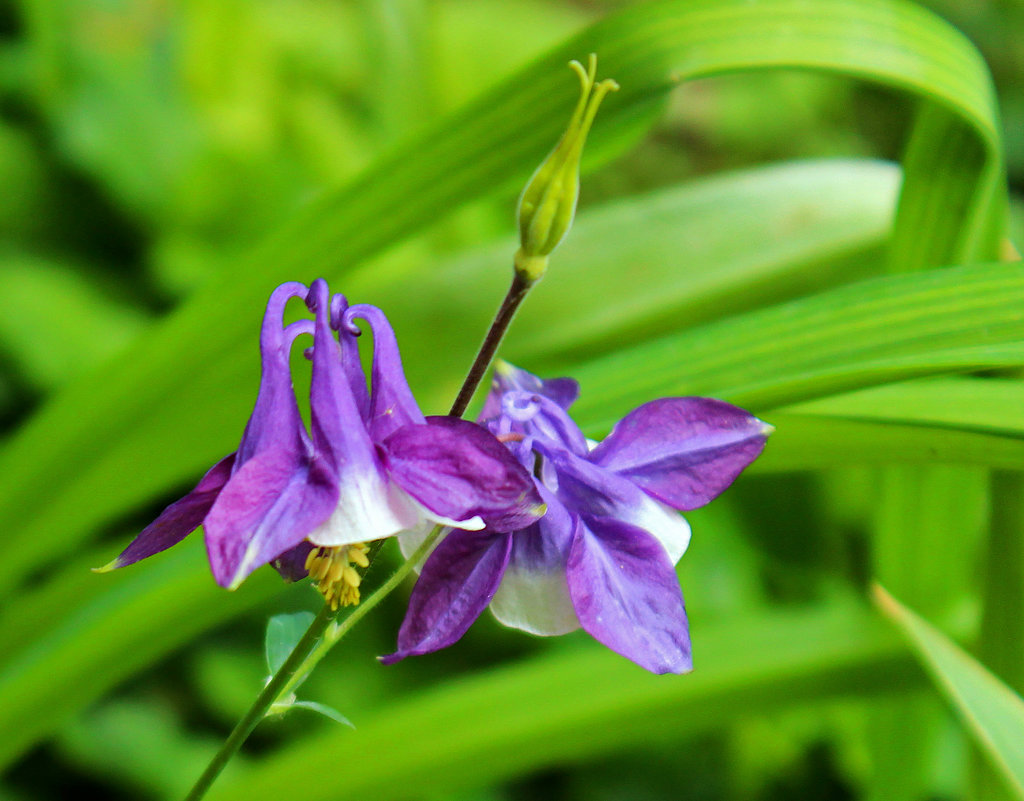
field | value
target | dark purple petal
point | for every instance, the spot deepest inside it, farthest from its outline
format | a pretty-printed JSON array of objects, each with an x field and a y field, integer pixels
[
  {"x": 458, "y": 580},
  {"x": 627, "y": 596},
  {"x": 458, "y": 470},
  {"x": 392, "y": 405},
  {"x": 509, "y": 378},
  {"x": 292, "y": 563},
  {"x": 683, "y": 451},
  {"x": 591, "y": 490},
  {"x": 179, "y": 519},
  {"x": 275, "y": 420},
  {"x": 268, "y": 506}
]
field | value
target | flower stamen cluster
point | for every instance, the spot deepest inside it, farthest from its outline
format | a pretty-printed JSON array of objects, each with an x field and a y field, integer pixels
[{"x": 335, "y": 574}]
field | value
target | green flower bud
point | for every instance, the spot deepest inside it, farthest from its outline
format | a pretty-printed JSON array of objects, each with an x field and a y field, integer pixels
[{"x": 548, "y": 203}]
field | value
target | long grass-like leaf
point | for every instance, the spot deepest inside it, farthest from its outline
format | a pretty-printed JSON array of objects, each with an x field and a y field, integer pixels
[
  {"x": 163, "y": 411},
  {"x": 992, "y": 712}
]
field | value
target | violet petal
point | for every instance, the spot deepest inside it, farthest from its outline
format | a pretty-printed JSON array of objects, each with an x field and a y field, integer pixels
[
  {"x": 683, "y": 451},
  {"x": 457, "y": 582},
  {"x": 275, "y": 420},
  {"x": 292, "y": 563},
  {"x": 268, "y": 506},
  {"x": 509, "y": 378},
  {"x": 458, "y": 470},
  {"x": 590, "y": 489},
  {"x": 536, "y": 416},
  {"x": 627, "y": 596},
  {"x": 179, "y": 519},
  {"x": 391, "y": 401}
]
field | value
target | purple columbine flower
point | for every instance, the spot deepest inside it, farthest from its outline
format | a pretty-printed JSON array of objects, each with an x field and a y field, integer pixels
[
  {"x": 371, "y": 467},
  {"x": 603, "y": 555}
]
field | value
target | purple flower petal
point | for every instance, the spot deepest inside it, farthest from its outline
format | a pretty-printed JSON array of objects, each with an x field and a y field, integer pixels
[
  {"x": 351, "y": 363},
  {"x": 392, "y": 405},
  {"x": 267, "y": 507},
  {"x": 627, "y": 596},
  {"x": 179, "y": 519},
  {"x": 538, "y": 417},
  {"x": 683, "y": 451},
  {"x": 591, "y": 490},
  {"x": 534, "y": 593},
  {"x": 458, "y": 580},
  {"x": 458, "y": 471},
  {"x": 292, "y": 563},
  {"x": 275, "y": 420},
  {"x": 509, "y": 378}
]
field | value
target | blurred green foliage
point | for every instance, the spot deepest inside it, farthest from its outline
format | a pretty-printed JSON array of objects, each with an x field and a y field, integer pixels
[{"x": 161, "y": 162}]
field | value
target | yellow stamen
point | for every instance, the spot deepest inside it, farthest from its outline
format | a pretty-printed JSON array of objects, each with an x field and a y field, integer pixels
[{"x": 335, "y": 574}]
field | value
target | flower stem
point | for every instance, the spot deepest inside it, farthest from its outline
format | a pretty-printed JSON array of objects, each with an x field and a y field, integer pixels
[
  {"x": 520, "y": 286},
  {"x": 319, "y": 638},
  {"x": 263, "y": 702}
]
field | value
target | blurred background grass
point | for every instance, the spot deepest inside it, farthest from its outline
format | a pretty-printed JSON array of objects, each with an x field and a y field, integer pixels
[{"x": 145, "y": 142}]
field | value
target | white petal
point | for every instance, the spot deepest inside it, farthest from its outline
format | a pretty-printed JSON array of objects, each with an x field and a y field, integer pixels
[
  {"x": 368, "y": 509},
  {"x": 663, "y": 522},
  {"x": 535, "y": 601},
  {"x": 410, "y": 540}
]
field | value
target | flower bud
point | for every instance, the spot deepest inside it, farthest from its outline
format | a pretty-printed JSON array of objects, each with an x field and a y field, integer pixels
[{"x": 548, "y": 203}]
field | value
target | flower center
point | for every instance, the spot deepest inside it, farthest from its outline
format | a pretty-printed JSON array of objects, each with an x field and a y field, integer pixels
[{"x": 334, "y": 571}]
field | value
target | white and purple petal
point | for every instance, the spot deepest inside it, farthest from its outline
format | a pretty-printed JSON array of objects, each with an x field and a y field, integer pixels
[
  {"x": 683, "y": 451},
  {"x": 458, "y": 471},
  {"x": 455, "y": 585},
  {"x": 589, "y": 489},
  {"x": 627, "y": 596},
  {"x": 534, "y": 593}
]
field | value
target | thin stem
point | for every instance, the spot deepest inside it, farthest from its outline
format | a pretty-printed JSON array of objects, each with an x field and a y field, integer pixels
[
  {"x": 516, "y": 293},
  {"x": 263, "y": 702}
]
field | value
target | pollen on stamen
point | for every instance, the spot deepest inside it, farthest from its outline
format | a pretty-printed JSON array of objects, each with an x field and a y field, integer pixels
[{"x": 335, "y": 574}]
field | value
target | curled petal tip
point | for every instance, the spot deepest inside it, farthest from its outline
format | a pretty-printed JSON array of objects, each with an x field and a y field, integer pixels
[{"x": 114, "y": 564}]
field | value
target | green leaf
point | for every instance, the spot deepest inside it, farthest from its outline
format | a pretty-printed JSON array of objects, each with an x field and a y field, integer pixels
[
  {"x": 877, "y": 331},
  {"x": 992, "y": 712},
  {"x": 323, "y": 709},
  {"x": 80, "y": 648},
  {"x": 178, "y": 399},
  {"x": 283, "y": 634}
]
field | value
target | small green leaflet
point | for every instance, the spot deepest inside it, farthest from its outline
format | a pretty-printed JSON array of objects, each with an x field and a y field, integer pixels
[{"x": 283, "y": 634}]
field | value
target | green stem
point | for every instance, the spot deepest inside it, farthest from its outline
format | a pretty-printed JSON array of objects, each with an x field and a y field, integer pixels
[
  {"x": 516, "y": 293},
  {"x": 263, "y": 702}
]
